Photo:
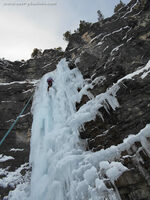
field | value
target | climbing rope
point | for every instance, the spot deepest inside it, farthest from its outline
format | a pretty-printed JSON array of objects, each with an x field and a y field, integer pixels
[{"x": 7, "y": 133}]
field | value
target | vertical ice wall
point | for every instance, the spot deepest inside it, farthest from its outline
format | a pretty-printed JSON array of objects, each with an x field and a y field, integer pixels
[
  {"x": 59, "y": 167},
  {"x": 54, "y": 154}
]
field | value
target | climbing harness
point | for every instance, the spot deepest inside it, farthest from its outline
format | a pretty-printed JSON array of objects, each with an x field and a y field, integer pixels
[{"x": 2, "y": 140}]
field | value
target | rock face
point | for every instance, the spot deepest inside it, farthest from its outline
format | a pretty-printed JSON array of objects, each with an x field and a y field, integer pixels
[
  {"x": 118, "y": 48},
  {"x": 107, "y": 52}
]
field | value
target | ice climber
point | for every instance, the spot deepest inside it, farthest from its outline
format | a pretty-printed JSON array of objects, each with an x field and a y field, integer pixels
[{"x": 50, "y": 82}]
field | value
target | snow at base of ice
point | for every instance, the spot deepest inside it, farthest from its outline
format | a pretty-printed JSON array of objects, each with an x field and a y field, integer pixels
[
  {"x": 61, "y": 168},
  {"x": 14, "y": 178}
]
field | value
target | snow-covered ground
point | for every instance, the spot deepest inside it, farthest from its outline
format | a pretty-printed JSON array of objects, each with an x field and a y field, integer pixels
[
  {"x": 15, "y": 178},
  {"x": 61, "y": 168}
]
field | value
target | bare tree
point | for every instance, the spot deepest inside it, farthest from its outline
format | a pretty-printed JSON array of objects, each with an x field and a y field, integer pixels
[{"x": 100, "y": 16}]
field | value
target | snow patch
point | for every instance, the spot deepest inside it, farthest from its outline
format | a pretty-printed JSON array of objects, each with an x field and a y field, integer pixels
[
  {"x": 116, "y": 49},
  {"x": 130, "y": 9},
  {"x": 13, "y": 178},
  {"x": 113, "y": 170},
  {"x": 77, "y": 60},
  {"x": 34, "y": 82},
  {"x": 21, "y": 116},
  {"x": 105, "y": 36},
  {"x": 4, "y": 158},
  {"x": 137, "y": 72},
  {"x": 16, "y": 149},
  {"x": 106, "y": 48},
  {"x": 30, "y": 90},
  {"x": 47, "y": 65},
  {"x": 96, "y": 37}
]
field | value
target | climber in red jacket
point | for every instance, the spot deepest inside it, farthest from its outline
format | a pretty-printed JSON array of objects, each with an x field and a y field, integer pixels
[{"x": 49, "y": 82}]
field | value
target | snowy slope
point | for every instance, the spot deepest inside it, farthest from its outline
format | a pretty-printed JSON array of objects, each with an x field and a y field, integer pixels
[{"x": 61, "y": 168}]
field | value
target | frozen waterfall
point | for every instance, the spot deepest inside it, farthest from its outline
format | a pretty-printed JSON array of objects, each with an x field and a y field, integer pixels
[{"x": 61, "y": 168}]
